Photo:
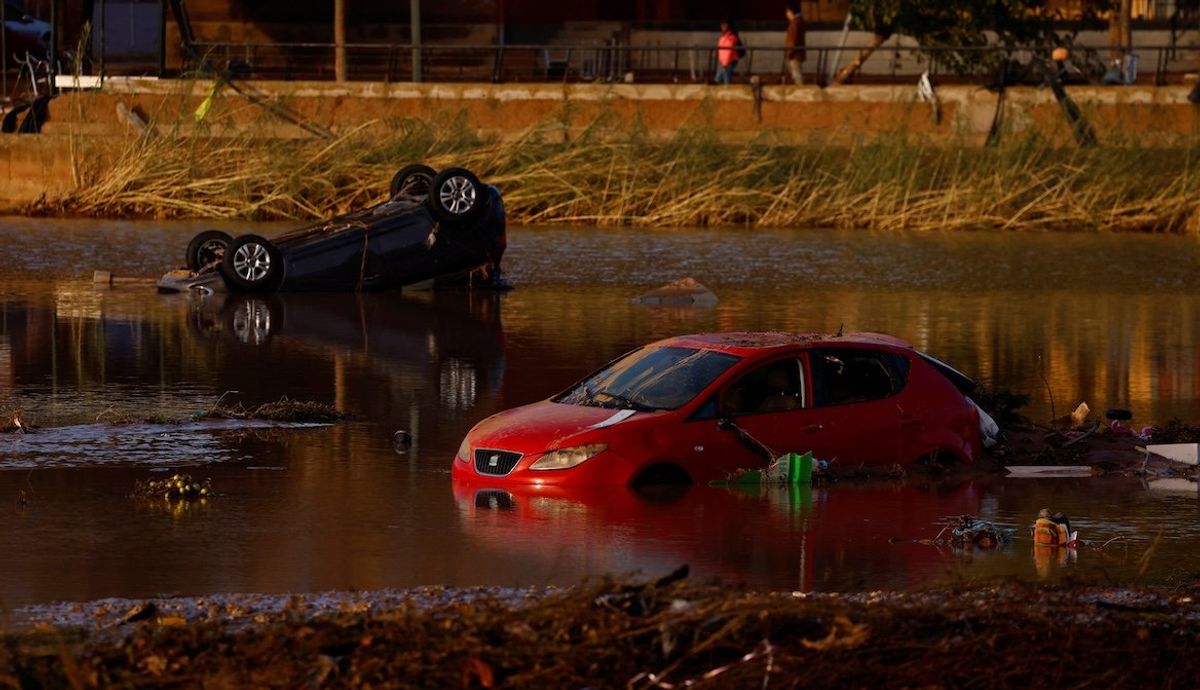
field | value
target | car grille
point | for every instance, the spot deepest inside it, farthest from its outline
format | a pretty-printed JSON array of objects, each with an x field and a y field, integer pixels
[{"x": 495, "y": 462}]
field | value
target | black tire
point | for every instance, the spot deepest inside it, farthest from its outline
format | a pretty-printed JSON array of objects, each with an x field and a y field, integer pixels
[
  {"x": 415, "y": 179},
  {"x": 457, "y": 196},
  {"x": 252, "y": 264},
  {"x": 207, "y": 247}
]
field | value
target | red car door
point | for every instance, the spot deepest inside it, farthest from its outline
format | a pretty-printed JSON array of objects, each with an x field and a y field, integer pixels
[
  {"x": 770, "y": 404},
  {"x": 855, "y": 393}
]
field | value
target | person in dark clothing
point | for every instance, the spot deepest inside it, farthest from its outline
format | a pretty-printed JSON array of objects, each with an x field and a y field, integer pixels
[{"x": 794, "y": 42}]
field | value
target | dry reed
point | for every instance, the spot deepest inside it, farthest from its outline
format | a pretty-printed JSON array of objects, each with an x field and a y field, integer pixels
[{"x": 613, "y": 176}]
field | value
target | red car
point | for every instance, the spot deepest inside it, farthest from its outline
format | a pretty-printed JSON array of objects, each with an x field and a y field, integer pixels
[{"x": 699, "y": 407}]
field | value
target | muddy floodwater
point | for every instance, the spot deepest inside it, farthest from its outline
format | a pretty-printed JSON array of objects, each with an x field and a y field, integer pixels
[{"x": 1111, "y": 320}]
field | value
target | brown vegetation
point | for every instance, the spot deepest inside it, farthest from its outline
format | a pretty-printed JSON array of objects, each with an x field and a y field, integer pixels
[
  {"x": 613, "y": 176},
  {"x": 671, "y": 634}
]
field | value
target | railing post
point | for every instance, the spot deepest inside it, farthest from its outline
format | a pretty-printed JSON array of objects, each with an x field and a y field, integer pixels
[
  {"x": 4, "y": 49},
  {"x": 162, "y": 38},
  {"x": 415, "y": 31},
  {"x": 53, "y": 45}
]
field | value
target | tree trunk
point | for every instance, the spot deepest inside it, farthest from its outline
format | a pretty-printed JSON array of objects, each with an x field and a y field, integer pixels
[
  {"x": 339, "y": 39},
  {"x": 848, "y": 71},
  {"x": 1120, "y": 29}
]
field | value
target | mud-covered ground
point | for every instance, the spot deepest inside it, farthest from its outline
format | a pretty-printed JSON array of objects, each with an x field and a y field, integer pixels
[{"x": 676, "y": 633}]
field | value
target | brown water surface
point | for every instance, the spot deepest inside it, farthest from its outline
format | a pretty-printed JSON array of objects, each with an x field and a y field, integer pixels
[{"x": 1113, "y": 320}]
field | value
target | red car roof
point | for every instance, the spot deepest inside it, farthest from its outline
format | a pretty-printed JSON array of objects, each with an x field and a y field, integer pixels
[{"x": 745, "y": 344}]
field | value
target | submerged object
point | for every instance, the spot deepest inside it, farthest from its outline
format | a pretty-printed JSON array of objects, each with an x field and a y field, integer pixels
[
  {"x": 698, "y": 408},
  {"x": 445, "y": 226},
  {"x": 682, "y": 292},
  {"x": 1054, "y": 530},
  {"x": 790, "y": 469}
]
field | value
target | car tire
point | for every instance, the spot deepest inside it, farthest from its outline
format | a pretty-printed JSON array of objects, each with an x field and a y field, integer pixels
[
  {"x": 205, "y": 248},
  {"x": 252, "y": 264},
  {"x": 416, "y": 179},
  {"x": 457, "y": 196}
]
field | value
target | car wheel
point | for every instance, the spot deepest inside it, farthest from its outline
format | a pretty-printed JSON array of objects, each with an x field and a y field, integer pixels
[
  {"x": 205, "y": 248},
  {"x": 457, "y": 196},
  {"x": 414, "y": 180},
  {"x": 252, "y": 264}
]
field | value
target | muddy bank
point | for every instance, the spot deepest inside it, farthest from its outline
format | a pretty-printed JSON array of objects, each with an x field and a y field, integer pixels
[{"x": 674, "y": 633}]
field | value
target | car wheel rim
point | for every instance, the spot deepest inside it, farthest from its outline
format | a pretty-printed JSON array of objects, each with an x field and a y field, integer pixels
[
  {"x": 457, "y": 195},
  {"x": 211, "y": 251},
  {"x": 252, "y": 262}
]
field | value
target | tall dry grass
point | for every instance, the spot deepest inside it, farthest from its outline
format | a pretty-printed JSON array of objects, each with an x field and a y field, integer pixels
[{"x": 611, "y": 175}]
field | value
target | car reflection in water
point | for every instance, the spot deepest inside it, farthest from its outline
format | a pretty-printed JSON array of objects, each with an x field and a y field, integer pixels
[
  {"x": 390, "y": 353},
  {"x": 805, "y": 538}
]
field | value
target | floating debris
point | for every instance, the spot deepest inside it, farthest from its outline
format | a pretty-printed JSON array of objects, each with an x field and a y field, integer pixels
[
  {"x": 682, "y": 292},
  {"x": 12, "y": 423},
  {"x": 402, "y": 441},
  {"x": 283, "y": 410},
  {"x": 1175, "y": 431},
  {"x": 1054, "y": 530},
  {"x": 971, "y": 532},
  {"x": 177, "y": 487}
]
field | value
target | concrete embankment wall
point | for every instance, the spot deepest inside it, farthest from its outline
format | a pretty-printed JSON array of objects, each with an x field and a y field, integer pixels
[{"x": 42, "y": 164}]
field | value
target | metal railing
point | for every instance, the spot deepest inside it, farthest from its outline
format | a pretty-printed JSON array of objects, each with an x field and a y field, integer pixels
[{"x": 613, "y": 62}]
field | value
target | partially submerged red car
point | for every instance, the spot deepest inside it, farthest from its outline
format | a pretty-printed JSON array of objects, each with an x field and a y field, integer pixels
[{"x": 699, "y": 407}]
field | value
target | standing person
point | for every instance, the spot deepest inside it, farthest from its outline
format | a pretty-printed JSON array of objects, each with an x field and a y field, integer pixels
[
  {"x": 727, "y": 52},
  {"x": 794, "y": 43}
]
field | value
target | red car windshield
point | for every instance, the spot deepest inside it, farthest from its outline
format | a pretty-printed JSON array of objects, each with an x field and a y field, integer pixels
[{"x": 660, "y": 378}]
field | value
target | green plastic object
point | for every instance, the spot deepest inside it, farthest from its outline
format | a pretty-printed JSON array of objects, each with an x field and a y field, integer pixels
[
  {"x": 792, "y": 469},
  {"x": 799, "y": 468}
]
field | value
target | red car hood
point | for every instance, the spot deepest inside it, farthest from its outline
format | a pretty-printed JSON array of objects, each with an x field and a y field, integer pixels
[{"x": 545, "y": 426}]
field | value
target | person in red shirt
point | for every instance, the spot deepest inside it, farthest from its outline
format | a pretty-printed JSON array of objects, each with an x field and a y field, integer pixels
[{"x": 727, "y": 52}]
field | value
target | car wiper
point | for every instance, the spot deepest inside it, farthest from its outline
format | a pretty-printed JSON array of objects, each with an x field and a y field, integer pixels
[{"x": 626, "y": 402}]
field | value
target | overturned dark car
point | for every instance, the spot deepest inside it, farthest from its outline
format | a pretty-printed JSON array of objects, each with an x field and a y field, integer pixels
[{"x": 446, "y": 227}]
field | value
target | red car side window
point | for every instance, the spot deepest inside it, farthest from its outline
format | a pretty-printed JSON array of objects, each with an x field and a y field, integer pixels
[
  {"x": 774, "y": 387},
  {"x": 853, "y": 375}
]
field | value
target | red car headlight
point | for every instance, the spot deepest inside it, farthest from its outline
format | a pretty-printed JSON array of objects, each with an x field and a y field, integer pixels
[
  {"x": 566, "y": 458},
  {"x": 464, "y": 451}
]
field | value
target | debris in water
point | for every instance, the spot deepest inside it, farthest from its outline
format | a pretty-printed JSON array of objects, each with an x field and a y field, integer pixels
[
  {"x": 1053, "y": 530},
  {"x": 971, "y": 531},
  {"x": 682, "y": 292},
  {"x": 402, "y": 441},
  {"x": 283, "y": 410},
  {"x": 177, "y": 487},
  {"x": 14, "y": 425}
]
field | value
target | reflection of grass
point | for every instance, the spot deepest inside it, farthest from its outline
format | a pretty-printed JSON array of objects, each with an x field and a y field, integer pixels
[{"x": 610, "y": 175}]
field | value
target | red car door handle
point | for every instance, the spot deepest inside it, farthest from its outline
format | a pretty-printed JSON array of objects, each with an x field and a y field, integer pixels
[{"x": 813, "y": 428}]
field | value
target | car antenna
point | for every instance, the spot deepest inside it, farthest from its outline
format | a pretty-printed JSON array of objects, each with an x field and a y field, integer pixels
[{"x": 840, "y": 327}]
